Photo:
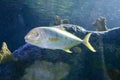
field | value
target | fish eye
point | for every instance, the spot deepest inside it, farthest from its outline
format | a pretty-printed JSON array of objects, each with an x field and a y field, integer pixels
[{"x": 35, "y": 34}]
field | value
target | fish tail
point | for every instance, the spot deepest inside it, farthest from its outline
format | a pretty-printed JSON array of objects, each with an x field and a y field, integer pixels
[{"x": 86, "y": 42}]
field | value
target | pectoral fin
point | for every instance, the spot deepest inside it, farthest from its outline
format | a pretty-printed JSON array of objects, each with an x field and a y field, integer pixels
[
  {"x": 68, "y": 51},
  {"x": 53, "y": 39}
]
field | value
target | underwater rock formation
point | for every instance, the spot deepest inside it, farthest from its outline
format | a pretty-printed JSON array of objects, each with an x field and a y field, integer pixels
[
  {"x": 6, "y": 55},
  {"x": 100, "y": 24},
  {"x": 59, "y": 20},
  {"x": 84, "y": 64},
  {"x": 43, "y": 70}
]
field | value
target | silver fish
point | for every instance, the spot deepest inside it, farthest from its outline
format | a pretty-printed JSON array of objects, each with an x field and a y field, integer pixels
[{"x": 56, "y": 38}]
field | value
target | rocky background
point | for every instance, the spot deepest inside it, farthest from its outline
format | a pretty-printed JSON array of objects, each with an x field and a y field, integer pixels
[
  {"x": 36, "y": 63},
  {"x": 17, "y": 17}
]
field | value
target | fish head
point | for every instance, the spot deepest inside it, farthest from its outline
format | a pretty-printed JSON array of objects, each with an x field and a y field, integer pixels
[{"x": 33, "y": 37}]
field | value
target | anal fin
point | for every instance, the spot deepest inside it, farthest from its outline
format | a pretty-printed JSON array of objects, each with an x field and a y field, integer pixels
[{"x": 68, "y": 51}]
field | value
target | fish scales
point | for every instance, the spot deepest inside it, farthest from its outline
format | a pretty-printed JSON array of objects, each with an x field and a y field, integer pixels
[{"x": 56, "y": 38}]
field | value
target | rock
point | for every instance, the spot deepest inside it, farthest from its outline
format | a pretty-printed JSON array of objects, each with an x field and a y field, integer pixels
[
  {"x": 59, "y": 20},
  {"x": 85, "y": 65},
  {"x": 100, "y": 24},
  {"x": 6, "y": 55},
  {"x": 43, "y": 70}
]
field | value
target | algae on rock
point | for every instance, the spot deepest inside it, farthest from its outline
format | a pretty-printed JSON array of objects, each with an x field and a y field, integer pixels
[{"x": 43, "y": 70}]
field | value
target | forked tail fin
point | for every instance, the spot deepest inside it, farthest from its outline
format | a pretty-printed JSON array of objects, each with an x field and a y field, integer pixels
[{"x": 86, "y": 42}]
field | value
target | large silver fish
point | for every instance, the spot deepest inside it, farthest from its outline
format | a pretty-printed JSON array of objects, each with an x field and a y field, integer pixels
[{"x": 55, "y": 38}]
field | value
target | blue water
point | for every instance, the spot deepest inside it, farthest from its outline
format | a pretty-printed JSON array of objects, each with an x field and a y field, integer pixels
[{"x": 18, "y": 17}]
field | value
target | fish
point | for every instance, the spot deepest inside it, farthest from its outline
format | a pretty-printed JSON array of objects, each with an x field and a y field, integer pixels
[{"x": 56, "y": 38}]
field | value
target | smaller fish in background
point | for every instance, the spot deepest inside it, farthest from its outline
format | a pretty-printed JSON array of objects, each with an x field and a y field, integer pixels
[
  {"x": 56, "y": 38},
  {"x": 6, "y": 55},
  {"x": 100, "y": 24}
]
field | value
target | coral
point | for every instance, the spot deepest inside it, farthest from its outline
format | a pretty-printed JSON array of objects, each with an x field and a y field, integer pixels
[
  {"x": 59, "y": 20},
  {"x": 6, "y": 55},
  {"x": 100, "y": 24},
  {"x": 43, "y": 70}
]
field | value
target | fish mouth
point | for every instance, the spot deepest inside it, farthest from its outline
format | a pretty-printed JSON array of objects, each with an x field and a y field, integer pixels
[
  {"x": 34, "y": 42},
  {"x": 26, "y": 38}
]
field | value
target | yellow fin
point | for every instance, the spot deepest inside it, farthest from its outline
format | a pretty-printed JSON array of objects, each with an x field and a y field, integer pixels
[
  {"x": 53, "y": 39},
  {"x": 68, "y": 51},
  {"x": 86, "y": 42}
]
